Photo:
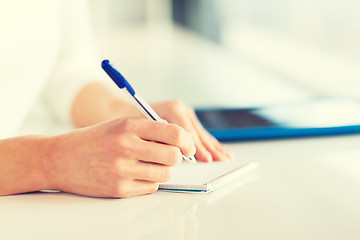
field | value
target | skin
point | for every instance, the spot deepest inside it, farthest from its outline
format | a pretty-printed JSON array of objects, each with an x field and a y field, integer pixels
[
  {"x": 208, "y": 149},
  {"x": 117, "y": 158}
]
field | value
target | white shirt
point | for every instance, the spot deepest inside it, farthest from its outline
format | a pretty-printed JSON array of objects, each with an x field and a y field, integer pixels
[{"x": 46, "y": 50}]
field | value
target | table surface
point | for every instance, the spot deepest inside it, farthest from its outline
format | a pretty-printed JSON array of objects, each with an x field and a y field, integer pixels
[{"x": 302, "y": 189}]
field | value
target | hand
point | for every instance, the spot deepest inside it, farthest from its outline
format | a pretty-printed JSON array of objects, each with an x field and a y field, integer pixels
[
  {"x": 119, "y": 158},
  {"x": 208, "y": 149},
  {"x": 88, "y": 110}
]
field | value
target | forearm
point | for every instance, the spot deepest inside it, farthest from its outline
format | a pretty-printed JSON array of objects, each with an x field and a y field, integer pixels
[
  {"x": 23, "y": 164},
  {"x": 97, "y": 103}
]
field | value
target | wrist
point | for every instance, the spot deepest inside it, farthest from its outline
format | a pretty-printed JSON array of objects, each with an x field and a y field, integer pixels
[
  {"x": 54, "y": 167},
  {"x": 23, "y": 164},
  {"x": 46, "y": 170}
]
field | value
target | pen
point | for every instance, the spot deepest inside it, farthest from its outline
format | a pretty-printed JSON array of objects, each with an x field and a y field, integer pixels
[{"x": 139, "y": 102}]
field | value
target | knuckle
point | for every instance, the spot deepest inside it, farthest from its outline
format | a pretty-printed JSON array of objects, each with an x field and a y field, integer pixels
[
  {"x": 126, "y": 124},
  {"x": 119, "y": 190},
  {"x": 175, "y": 156},
  {"x": 121, "y": 169},
  {"x": 124, "y": 147},
  {"x": 121, "y": 142},
  {"x": 177, "y": 133}
]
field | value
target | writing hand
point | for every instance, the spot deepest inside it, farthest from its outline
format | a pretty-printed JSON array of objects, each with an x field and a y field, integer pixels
[
  {"x": 208, "y": 149},
  {"x": 118, "y": 158}
]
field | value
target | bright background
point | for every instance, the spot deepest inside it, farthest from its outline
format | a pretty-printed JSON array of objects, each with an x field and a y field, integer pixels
[
  {"x": 228, "y": 52},
  {"x": 274, "y": 49}
]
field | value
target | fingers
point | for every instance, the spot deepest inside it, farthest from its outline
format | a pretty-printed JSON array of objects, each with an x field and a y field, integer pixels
[
  {"x": 162, "y": 132},
  {"x": 139, "y": 178},
  {"x": 151, "y": 172},
  {"x": 135, "y": 177},
  {"x": 208, "y": 149},
  {"x": 130, "y": 188},
  {"x": 158, "y": 153},
  {"x": 170, "y": 134},
  {"x": 202, "y": 153},
  {"x": 210, "y": 146}
]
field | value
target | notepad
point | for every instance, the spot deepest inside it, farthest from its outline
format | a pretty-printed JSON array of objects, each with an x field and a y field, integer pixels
[{"x": 205, "y": 177}]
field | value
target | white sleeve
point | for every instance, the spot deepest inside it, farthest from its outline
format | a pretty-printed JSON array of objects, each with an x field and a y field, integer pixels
[{"x": 78, "y": 63}]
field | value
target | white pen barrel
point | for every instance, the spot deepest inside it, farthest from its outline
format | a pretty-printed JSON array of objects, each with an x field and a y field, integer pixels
[{"x": 144, "y": 107}]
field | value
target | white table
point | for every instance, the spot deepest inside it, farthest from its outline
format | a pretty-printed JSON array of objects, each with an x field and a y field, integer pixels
[{"x": 302, "y": 189}]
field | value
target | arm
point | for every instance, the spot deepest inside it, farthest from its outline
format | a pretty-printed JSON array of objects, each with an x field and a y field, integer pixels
[
  {"x": 21, "y": 164},
  {"x": 96, "y": 103},
  {"x": 118, "y": 158}
]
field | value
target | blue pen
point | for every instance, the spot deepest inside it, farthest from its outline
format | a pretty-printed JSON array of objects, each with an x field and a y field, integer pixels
[{"x": 145, "y": 108}]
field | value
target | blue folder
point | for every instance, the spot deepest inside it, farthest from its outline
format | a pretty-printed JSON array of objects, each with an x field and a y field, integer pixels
[
  {"x": 276, "y": 122},
  {"x": 246, "y": 134}
]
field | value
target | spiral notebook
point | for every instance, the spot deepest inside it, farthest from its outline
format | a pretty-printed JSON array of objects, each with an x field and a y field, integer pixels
[{"x": 205, "y": 177}]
